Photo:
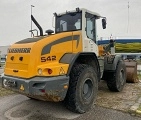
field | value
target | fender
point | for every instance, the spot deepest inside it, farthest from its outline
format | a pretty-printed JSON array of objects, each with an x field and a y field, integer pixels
[
  {"x": 71, "y": 58},
  {"x": 110, "y": 62}
]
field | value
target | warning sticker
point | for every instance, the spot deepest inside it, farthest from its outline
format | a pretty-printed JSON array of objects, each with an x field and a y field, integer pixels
[
  {"x": 22, "y": 87},
  {"x": 62, "y": 72}
]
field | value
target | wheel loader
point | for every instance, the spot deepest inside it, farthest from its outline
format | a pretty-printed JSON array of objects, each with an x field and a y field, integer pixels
[{"x": 65, "y": 64}]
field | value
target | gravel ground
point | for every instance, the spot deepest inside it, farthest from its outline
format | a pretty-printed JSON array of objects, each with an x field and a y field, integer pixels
[{"x": 119, "y": 100}]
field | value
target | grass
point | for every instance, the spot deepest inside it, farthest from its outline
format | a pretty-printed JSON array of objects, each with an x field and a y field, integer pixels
[
  {"x": 139, "y": 76},
  {"x": 139, "y": 62},
  {"x": 4, "y": 92},
  {"x": 128, "y": 47},
  {"x": 139, "y": 108}
]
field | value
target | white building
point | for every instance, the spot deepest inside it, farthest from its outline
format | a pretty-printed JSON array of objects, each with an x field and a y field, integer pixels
[{"x": 3, "y": 50}]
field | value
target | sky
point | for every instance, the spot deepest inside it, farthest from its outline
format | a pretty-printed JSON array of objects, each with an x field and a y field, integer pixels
[{"x": 15, "y": 20}]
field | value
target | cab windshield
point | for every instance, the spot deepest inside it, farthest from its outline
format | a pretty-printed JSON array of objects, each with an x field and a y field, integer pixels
[{"x": 69, "y": 22}]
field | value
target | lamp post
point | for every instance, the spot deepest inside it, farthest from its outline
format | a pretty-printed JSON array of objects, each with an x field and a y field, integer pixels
[{"x": 31, "y": 19}]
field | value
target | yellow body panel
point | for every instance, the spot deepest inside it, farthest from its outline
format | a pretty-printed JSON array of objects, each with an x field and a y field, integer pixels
[
  {"x": 57, "y": 69},
  {"x": 44, "y": 54},
  {"x": 101, "y": 50},
  {"x": 79, "y": 47}
]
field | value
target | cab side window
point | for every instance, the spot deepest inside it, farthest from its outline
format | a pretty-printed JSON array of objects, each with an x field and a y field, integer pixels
[{"x": 90, "y": 26}]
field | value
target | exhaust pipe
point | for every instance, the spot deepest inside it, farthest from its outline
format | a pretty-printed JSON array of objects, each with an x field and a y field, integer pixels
[{"x": 37, "y": 24}]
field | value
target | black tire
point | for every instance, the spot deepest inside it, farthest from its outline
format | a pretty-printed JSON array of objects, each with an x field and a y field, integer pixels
[
  {"x": 83, "y": 88},
  {"x": 116, "y": 80},
  {"x": 105, "y": 76}
]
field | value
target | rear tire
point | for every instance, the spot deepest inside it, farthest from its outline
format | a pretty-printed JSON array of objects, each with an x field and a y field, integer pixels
[
  {"x": 117, "y": 79},
  {"x": 105, "y": 76},
  {"x": 83, "y": 88}
]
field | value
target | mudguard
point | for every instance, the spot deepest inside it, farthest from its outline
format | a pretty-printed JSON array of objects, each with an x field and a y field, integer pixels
[
  {"x": 110, "y": 62},
  {"x": 71, "y": 58}
]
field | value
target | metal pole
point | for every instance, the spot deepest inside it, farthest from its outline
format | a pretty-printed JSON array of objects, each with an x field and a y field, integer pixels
[{"x": 31, "y": 20}]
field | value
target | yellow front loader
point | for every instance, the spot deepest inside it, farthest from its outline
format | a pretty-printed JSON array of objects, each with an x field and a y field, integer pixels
[{"x": 65, "y": 65}]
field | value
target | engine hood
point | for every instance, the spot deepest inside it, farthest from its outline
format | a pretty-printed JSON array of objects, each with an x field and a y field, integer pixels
[{"x": 25, "y": 56}]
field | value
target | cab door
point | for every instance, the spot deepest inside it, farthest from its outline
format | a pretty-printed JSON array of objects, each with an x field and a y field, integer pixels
[{"x": 90, "y": 38}]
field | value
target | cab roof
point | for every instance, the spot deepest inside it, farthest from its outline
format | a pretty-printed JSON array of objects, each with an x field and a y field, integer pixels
[{"x": 78, "y": 10}]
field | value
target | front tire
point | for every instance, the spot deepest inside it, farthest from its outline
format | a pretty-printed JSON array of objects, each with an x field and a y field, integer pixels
[
  {"x": 83, "y": 88},
  {"x": 117, "y": 79}
]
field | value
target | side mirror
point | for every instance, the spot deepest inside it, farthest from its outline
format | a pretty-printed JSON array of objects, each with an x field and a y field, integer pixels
[{"x": 104, "y": 23}]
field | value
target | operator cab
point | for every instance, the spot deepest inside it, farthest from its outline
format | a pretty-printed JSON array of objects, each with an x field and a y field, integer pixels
[{"x": 81, "y": 20}]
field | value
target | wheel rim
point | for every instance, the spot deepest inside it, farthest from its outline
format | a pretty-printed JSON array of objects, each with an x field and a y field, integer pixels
[
  {"x": 122, "y": 77},
  {"x": 87, "y": 89}
]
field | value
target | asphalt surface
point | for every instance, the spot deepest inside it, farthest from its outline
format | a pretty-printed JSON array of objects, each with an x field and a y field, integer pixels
[{"x": 19, "y": 107}]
